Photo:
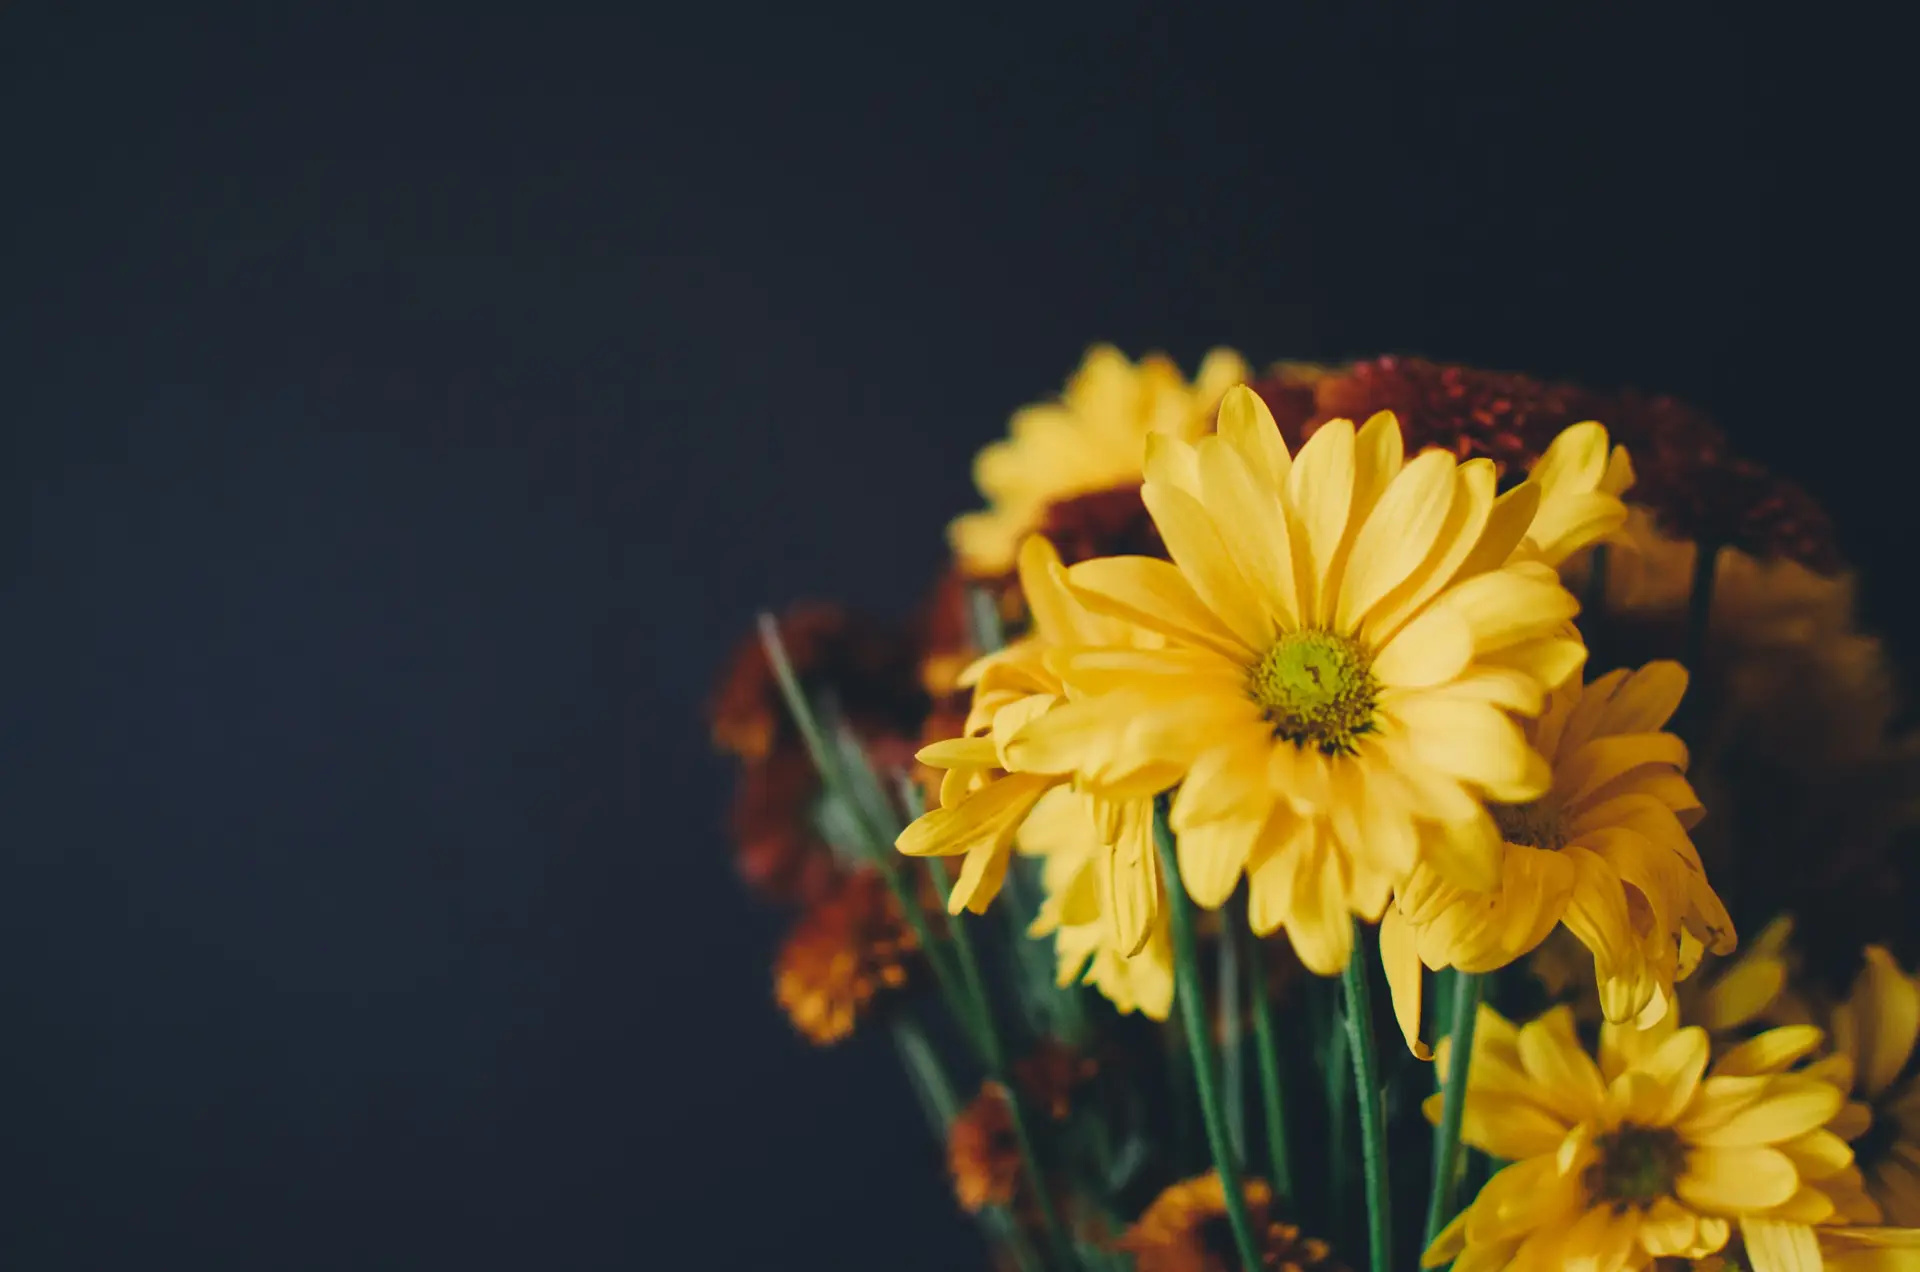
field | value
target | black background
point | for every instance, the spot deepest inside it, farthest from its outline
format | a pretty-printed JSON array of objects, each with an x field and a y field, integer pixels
[{"x": 405, "y": 410}]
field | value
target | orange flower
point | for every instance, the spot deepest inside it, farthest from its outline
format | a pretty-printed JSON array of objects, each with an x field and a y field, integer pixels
[
  {"x": 778, "y": 853},
  {"x": 1186, "y": 1230},
  {"x": 983, "y": 1152},
  {"x": 851, "y": 947}
]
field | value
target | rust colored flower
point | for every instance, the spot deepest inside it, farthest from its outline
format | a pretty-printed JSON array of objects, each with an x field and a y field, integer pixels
[
  {"x": 1688, "y": 473},
  {"x": 1052, "y": 1075},
  {"x": 1186, "y": 1230},
  {"x": 871, "y": 670},
  {"x": 1103, "y": 523},
  {"x": 778, "y": 852},
  {"x": 983, "y": 1153},
  {"x": 849, "y": 948}
]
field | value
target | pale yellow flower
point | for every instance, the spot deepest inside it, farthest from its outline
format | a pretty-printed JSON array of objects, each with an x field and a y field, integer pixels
[
  {"x": 1605, "y": 852},
  {"x": 1089, "y": 440}
]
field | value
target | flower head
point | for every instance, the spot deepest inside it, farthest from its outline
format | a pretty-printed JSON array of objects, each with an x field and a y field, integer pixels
[
  {"x": 1643, "y": 1155},
  {"x": 983, "y": 1151},
  {"x": 1186, "y": 1230},
  {"x": 1327, "y": 666},
  {"x": 1087, "y": 441},
  {"x": 849, "y": 948},
  {"x": 1605, "y": 851}
]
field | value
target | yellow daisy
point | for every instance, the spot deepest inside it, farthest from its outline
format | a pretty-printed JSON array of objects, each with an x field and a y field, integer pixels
[
  {"x": 986, "y": 794},
  {"x": 1644, "y": 1155},
  {"x": 1343, "y": 639},
  {"x": 1605, "y": 852},
  {"x": 1874, "y": 1032},
  {"x": 1080, "y": 856},
  {"x": 1088, "y": 440},
  {"x": 1729, "y": 998}
]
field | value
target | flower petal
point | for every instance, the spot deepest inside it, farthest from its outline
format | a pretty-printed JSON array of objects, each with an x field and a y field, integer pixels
[
  {"x": 1735, "y": 1181},
  {"x": 1155, "y": 595}
]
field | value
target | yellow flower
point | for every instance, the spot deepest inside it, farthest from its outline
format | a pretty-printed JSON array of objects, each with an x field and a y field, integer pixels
[
  {"x": 1874, "y": 1032},
  {"x": 1343, "y": 639},
  {"x": 1080, "y": 857},
  {"x": 1643, "y": 1155},
  {"x": 1605, "y": 852},
  {"x": 987, "y": 794},
  {"x": 1087, "y": 441},
  {"x": 1726, "y": 998}
]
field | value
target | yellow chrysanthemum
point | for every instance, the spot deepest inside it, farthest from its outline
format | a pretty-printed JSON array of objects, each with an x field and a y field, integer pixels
[
  {"x": 1605, "y": 851},
  {"x": 1080, "y": 856},
  {"x": 1344, "y": 636},
  {"x": 1874, "y": 1031},
  {"x": 1646, "y": 1154},
  {"x": 987, "y": 793},
  {"x": 1088, "y": 440}
]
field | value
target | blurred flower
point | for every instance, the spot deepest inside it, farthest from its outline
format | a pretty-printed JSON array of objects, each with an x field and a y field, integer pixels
[
  {"x": 1768, "y": 1246},
  {"x": 778, "y": 850},
  {"x": 1874, "y": 1031},
  {"x": 1635, "y": 1157},
  {"x": 1077, "y": 872},
  {"x": 1688, "y": 473},
  {"x": 850, "y": 947},
  {"x": 869, "y": 668},
  {"x": 1799, "y": 746},
  {"x": 1605, "y": 852},
  {"x": 1335, "y": 708},
  {"x": 983, "y": 1152},
  {"x": 1089, "y": 440},
  {"x": 1052, "y": 1075},
  {"x": 1186, "y": 1230}
]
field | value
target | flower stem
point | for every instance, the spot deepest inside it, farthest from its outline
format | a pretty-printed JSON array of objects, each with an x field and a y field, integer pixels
[
  {"x": 995, "y": 1057},
  {"x": 1193, "y": 1014},
  {"x": 1367, "y": 1094},
  {"x": 878, "y": 846},
  {"x": 1453, "y": 1096},
  {"x": 1267, "y": 1051}
]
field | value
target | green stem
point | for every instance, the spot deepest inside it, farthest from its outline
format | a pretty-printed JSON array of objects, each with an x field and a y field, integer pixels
[
  {"x": 1232, "y": 1061},
  {"x": 988, "y": 1038},
  {"x": 1193, "y": 1014},
  {"x": 1367, "y": 1094},
  {"x": 879, "y": 845},
  {"x": 1267, "y": 1053},
  {"x": 1453, "y": 1102}
]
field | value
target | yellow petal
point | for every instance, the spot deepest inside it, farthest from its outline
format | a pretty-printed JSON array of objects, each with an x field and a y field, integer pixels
[
  {"x": 1194, "y": 543},
  {"x": 1667, "y": 1228},
  {"x": 1792, "y": 1107},
  {"x": 1774, "y": 1051},
  {"x": 1593, "y": 765},
  {"x": 1676, "y": 1064},
  {"x": 1397, "y": 536},
  {"x": 1211, "y": 857},
  {"x": 1130, "y": 888},
  {"x": 1889, "y": 1022},
  {"x": 1600, "y": 1240},
  {"x": 1474, "y": 742},
  {"x": 1248, "y": 426},
  {"x": 1320, "y": 492},
  {"x": 1505, "y": 607},
  {"x": 1569, "y": 1081},
  {"x": 1155, "y": 595},
  {"x": 959, "y": 753},
  {"x": 1474, "y": 483},
  {"x": 981, "y": 875},
  {"x": 1431, "y": 649},
  {"x": 1252, "y": 523},
  {"x": 1733, "y": 1181},
  {"x": 986, "y": 819},
  {"x": 1774, "y": 1246},
  {"x": 1506, "y": 526},
  {"x": 1401, "y": 961}
]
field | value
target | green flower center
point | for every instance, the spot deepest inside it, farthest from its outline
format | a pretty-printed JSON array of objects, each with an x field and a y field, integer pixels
[
  {"x": 1537, "y": 824},
  {"x": 1637, "y": 1166},
  {"x": 1317, "y": 689}
]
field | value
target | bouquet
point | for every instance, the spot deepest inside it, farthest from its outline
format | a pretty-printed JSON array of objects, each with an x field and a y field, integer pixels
[{"x": 1365, "y": 815}]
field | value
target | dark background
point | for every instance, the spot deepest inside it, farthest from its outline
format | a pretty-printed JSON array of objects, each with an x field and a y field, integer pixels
[{"x": 404, "y": 411}]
